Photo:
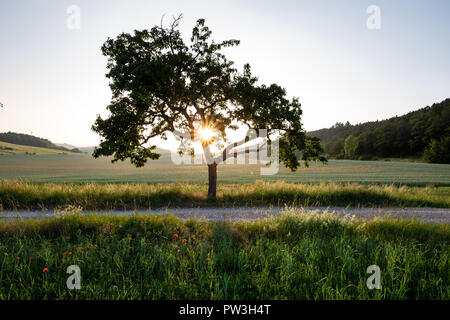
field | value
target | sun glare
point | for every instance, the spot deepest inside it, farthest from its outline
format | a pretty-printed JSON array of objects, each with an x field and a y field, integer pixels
[{"x": 207, "y": 134}]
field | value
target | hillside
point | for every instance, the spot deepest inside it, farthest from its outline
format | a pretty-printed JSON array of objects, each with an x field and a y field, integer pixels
[
  {"x": 66, "y": 145},
  {"x": 424, "y": 133},
  {"x": 32, "y": 141},
  {"x": 12, "y": 149}
]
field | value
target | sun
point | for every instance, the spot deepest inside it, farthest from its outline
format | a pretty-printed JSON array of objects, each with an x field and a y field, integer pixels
[{"x": 207, "y": 134}]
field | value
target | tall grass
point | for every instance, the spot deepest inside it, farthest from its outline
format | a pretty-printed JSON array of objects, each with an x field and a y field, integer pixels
[
  {"x": 21, "y": 195},
  {"x": 293, "y": 256}
]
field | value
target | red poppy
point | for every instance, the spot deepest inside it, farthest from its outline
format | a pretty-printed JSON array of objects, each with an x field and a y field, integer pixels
[
  {"x": 175, "y": 235},
  {"x": 45, "y": 270},
  {"x": 68, "y": 238},
  {"x": 64, "y": 253},
  {"x": 70, "y": 253},
  {"x": 31, "y": 258},
  {"x": 184, "y": 240},
  {"x": 18, "y": 258},
  {"x": 249, "y": 255}
]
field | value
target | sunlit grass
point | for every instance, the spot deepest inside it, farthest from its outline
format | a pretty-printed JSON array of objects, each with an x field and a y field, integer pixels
[{"x": 21, "y": 195}]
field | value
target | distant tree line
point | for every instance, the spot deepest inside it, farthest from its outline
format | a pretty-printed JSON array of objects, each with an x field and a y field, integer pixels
[
  {"x": 29, "y": 140},
  {"x": 423, "y": 133}
]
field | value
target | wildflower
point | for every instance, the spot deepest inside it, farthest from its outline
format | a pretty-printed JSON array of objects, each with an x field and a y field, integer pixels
[
  {"x": 70, "y": 253},
  {"x": 45, "y": 270},
  {"x": 249, "y": 255},
  {"x": 31, "y": 258},
  {"x": 18, "y": 258},
  {"x": 68, "y": 238},
  {"x": 64, "y": 253},
  {"x": 184, "y": 240},
  {"x": 175, "y": 235}
]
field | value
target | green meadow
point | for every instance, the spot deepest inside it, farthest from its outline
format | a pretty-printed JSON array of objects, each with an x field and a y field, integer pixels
[
  {"x": 83, "y": 168},
  {"x": 292, "y": 256},
  {"x": 55, "y": 181}
]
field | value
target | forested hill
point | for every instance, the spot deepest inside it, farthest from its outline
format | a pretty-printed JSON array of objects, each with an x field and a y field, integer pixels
[
  {"x": 29, "y": 140},
  {"x": 423, "y": 133}
]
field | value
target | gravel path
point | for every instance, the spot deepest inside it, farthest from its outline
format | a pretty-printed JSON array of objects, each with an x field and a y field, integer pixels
[{"x": 433, "y": 215}]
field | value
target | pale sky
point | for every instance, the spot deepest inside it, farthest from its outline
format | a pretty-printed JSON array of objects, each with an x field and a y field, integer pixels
[{"x": 52, "y": 79}]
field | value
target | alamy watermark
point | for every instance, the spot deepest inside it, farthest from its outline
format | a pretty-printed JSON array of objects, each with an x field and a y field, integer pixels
[
  {"x": 73, "y": 21},
  {"x": 74, "y": 280},
  {"x": 254, "y": 149},
  {"x": 374, "y": 281},
  {"x": 373, "y": 22}
]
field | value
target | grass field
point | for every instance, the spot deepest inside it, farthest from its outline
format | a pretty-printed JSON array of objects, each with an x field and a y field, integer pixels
[
  {"x": 15, "y": 149},
  {"x": 51, "y": 181},
  {"x": 293, "y": 256},
  {"x": 83, "y": 168},
  {"x": 16, "y": 195}
]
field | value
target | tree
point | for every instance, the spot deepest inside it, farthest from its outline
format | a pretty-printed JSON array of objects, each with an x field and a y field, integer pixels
[
  {"x": 364, "y": 148},
  {"x": 350, "y": 147},
  {"x": 161, "y": 85},
  {"x": 438, "y": 151}
]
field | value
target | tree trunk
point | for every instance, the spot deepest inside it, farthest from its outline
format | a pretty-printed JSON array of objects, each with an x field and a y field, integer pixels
[{"x": 212, "y": 179}]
